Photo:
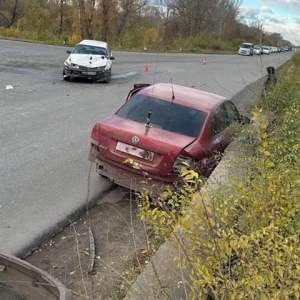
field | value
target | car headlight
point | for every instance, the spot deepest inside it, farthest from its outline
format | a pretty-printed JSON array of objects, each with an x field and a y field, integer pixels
[
  {"x": 182, "y": 162},
  {"x": 101, "y": 69},
  {"x": 74, "y": 66}
]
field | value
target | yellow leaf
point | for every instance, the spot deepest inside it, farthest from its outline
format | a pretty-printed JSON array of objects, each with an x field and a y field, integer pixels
[
  {"x": 264, "y": 135},
  {"x": 128, "y": 161},
  {"x": 263, "y": 125}
]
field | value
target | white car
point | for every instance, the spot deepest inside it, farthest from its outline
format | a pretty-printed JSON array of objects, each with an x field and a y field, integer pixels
[
  {"x": 246, "y": 49},
  {"x": 266, "y": 50},
  {"x": 257, "y": 50},
  {"x": 90, "y": 59}
]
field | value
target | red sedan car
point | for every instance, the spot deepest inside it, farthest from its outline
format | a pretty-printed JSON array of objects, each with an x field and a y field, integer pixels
[{"x": 157, "y": 131}]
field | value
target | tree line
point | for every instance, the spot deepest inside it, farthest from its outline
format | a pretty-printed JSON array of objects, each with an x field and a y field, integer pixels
[{"x": 132, "y": 24}]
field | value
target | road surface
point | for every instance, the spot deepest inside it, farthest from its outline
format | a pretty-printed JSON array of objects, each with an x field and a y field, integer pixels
[{"x": 46, "y": 122}]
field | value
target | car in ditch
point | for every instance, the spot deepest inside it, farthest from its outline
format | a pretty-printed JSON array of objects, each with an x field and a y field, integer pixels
[
  {"x": 160, "y": 129},
  {"x": 90, "y": 59}
]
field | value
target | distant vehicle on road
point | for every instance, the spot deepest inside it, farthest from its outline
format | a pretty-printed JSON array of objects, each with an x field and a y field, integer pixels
[
  {"x": 266, "y": 50},
  {"x": 90, "y": 59},
  {"x": 246, "y": 49},
  {"x": 257, "y": 50},
  {"x": 161, "y": 129}
]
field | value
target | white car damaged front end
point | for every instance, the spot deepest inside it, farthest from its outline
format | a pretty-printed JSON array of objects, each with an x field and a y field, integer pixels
[
  {"x": 95, "y": 67},
  {"x": 90, "y": 59}
]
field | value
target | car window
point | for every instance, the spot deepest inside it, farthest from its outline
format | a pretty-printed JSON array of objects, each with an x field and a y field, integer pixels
[
  {"x": 84, "y": 49},
  {"x": 224, "y": 116},
  {"x": 219, "y": 122},
  {"x": 109, "y": 51},
  {"x": 79, "y": 49},
  {"x": 232, "y": 113},
  {"x": 99, "y": 51},
  {"x": 164, "y": 114},
  {"x": 246, "y": 46}
]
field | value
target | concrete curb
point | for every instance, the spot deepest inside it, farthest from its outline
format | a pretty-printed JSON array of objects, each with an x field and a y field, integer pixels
[{"x": 162, "y": 278}]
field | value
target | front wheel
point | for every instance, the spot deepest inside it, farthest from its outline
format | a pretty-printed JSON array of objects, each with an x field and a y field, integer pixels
[
  {"x": 107, "y": 80},
  {"x": 65, "y": 77}
]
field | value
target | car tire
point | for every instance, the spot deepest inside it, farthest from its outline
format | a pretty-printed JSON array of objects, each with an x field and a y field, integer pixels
[
  {"x": 65, "y": 77},
  {"x": 108, "y": 79}
]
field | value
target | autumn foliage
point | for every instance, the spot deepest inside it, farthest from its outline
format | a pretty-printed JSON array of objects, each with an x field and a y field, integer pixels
[
  {"x": 241, "y": 240},
  {"x": 161, "y": 25}
]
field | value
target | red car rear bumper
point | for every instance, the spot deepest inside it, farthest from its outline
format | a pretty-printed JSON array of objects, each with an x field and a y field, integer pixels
[{"x": 131, "y": 180}]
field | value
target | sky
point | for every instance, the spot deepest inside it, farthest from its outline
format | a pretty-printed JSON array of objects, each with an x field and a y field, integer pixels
[{"x": 281, "y": 16}]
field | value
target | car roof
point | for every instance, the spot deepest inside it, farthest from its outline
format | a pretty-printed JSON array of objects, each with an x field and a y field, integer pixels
[
  {"x": 186, "y": 96},
  {"x": 93, "y": 43}
]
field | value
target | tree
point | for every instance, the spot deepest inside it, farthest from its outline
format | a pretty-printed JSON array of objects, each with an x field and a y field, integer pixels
[
  {"x": 128, "y": 11},
  {"x": 226, "y": 12},
  {"x": 10, "y": 12}
]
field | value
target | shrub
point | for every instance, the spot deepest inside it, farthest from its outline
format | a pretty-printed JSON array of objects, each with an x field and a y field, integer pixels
[
  {"x": 241, "y": 241},
  {"x": 10, "y": 32}
]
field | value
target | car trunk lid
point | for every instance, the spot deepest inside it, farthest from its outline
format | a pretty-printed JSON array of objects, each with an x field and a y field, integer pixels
[{"x": 153, "y": 149}]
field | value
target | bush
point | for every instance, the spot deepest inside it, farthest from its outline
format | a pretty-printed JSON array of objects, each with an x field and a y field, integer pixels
[
  {"x": 10, "y": 32},
  {"x": 241, "y": 241}
]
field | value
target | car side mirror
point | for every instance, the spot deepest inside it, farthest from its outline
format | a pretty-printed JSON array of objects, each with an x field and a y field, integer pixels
[
  {"x": 112, "y": 58},
  {"x": 69, "y": 51}
]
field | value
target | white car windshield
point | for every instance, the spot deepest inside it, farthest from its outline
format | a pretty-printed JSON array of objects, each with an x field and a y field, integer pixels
[
  {"x": 85, "y": 49},
  {"x": 247, "y": 46}
]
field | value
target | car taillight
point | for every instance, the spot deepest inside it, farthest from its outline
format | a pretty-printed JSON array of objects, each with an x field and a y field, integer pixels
[
  {"x": 95, "y": 134},
  {"x": 182, "y": 162}
]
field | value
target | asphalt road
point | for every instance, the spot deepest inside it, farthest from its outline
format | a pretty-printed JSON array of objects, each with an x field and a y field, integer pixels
[{"x": 46, "y": 123}]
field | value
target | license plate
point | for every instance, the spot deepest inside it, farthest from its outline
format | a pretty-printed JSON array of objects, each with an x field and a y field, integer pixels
[
  {"x": 135, "y": 151},
  {"x": 89, "y": 73}
]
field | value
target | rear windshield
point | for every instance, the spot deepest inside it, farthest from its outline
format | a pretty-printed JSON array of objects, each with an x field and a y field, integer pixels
[{"x": 164, "y": 114}]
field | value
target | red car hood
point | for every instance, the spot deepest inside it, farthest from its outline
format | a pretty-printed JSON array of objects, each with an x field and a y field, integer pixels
[{"x": 165, "y": 145}]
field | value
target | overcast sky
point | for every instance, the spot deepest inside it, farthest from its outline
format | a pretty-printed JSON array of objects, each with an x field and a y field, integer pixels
[{"x": 282, "y": 16}]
